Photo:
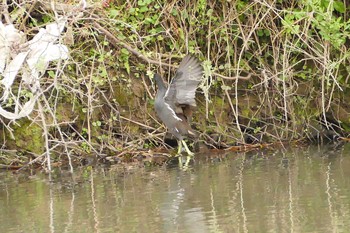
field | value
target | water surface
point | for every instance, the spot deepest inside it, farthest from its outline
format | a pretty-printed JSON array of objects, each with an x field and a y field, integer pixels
[{"x": 294, "y": 190}]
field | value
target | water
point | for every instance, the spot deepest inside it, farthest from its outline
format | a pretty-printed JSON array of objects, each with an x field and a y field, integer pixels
[{"x": 294, "y": 190}]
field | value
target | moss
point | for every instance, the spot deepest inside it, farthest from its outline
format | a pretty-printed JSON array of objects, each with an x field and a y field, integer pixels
[
  {"x": 121, "y": 95},
  {"x": 28, "y": 137},
  {"x": 66, "y": 113}
]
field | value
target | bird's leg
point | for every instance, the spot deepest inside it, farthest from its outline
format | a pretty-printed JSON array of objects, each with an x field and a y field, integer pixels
[
  {"x": 182, "y": 165},
  {"x": 186, "y": 147},
  {"x": 179, "y": 145}
]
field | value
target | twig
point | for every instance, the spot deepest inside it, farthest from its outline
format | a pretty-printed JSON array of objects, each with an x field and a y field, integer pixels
[
  {"x": 137, "y": 123},
  {"x": 5, "y": 12},
  {"x": 46, "y": 134},
  {"x": 36, "y": 159},
  {"x": 124, "y": 118},
  {"x": 116, "y": 41}
]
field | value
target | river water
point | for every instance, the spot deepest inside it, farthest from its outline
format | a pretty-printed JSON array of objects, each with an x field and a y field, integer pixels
[{"x": 287, "y": 190}]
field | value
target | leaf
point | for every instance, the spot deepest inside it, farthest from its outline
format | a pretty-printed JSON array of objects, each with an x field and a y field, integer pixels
[
  {"x": 260, "y": 33},
  {"x": 324, "y": 3},
  {"x": 113, "y": 13},
  {"x": 127, "y": 67},
  {"x": 141, "y": 3},
  {"x": 124, "y": 51},
  {"x": 174, "y": 12},
  {"x": 51, "y": 73},
  {"x": 339, "y": 6},
  {"x": 160, "y": 37},
  {"x": 132, "y": 10},
  {"x": 143, "y": 9},
  {"x": 181, "y": 33},
  {"x": 225, "y": 88},
  {"x": 267, "y": 32},
  {"x": 149, "y": 20}
]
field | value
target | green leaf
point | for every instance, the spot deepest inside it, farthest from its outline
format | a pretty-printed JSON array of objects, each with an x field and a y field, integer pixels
[
  {"x": 260, "y": 32},
  {"x": 132, "y": 10},
  {"x": 97, "y": 123},
  {"x": 267, "y": 32},
  {"x": 51, "y": 73},
  {"x": 324, "y": 3},
  {"x": 127, "y": 67},
  {"x": 124, "y": 51},
  {"x": 141, "y": 3},
  {"x": 149, "y": 20},
  {"x": 181, "y": 33},
  {"x": 113, "y": 13},
  {"x": 339, "y": 6},
  {"x": 226, "y": 88},
  {"x": 174, "y": 12},
  {"x": 143, "y": 9}
]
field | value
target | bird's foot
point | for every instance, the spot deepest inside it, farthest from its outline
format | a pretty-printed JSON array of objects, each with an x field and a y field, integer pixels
[{"x": 190, "y": 153}]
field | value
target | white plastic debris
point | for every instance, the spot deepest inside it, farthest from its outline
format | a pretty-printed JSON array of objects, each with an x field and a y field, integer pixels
[
  {"x": 26, "y": 109},
  {"x": 32, "y": 58},
  {"x": 9, "y": 37}
]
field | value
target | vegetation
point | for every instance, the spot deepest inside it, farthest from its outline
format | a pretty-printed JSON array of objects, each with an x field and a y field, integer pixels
[{"x": 275, "y": 71}]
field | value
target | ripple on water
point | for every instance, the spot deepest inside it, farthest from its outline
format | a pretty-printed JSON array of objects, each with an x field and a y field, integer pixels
[{"x": 251, "y": 192}]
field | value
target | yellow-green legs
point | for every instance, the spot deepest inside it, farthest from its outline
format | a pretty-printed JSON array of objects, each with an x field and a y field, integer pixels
[
  {"x": 188, "y": 158},
  {"x": 179, "y": 146},
  {"x": 190, "y": 153}
]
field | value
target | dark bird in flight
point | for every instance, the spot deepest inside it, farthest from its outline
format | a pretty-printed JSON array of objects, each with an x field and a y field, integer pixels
[{"x": 174, "y": 104}]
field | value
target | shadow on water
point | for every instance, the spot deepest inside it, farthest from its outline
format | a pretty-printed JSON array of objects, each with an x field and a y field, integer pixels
[{"x": 294, "y": 190}]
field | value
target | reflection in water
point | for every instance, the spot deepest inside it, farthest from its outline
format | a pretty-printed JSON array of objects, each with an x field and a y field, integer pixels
[
  {"x": 51, "y": 198},
  {"x": 298, "y": 190},
  {"x": 291, "y": 204},
  {"x": 240, "y": 181}
]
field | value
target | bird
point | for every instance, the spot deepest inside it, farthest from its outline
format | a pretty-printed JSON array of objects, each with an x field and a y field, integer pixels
[{"x": 174, "y": 104}]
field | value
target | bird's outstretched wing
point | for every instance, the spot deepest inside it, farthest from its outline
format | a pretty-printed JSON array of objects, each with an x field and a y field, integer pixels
[{"x": 182, "y": 88}]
